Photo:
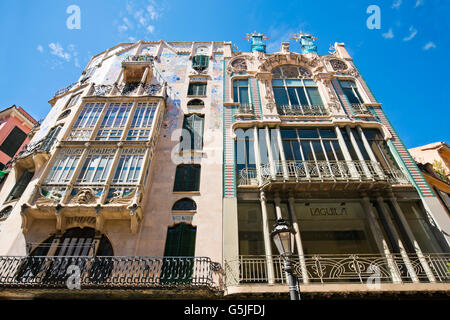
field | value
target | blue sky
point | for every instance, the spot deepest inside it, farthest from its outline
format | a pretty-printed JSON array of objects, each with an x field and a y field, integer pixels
[{"x": 405, "y": 62}]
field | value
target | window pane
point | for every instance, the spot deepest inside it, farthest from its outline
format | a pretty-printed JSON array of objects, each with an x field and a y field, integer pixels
[
  {"x": 243, "y": 95},
  {"x": 293, "y": 96},
  {"x": 308, "y": 133},
  {"x": 302, "y": 96},
  {"x": 318, "y": 150},
  {"x": 280, "y": 96},
  {"x": 314, "y": 96},
  {"x": 307, "y": 152},
  {"x": 350, "y": 95}
]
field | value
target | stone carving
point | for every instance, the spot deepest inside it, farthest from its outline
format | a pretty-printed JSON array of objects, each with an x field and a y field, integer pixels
[
  {"x": 338, "y": 65},
  {"x": 237, "y": 65},
  {"x": 84, "y": 196}
]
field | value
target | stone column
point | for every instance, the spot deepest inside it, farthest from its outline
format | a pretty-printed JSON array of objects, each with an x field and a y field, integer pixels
[
  {"x": 379, "y": 239},
  {"x": 404, "y": 224},
  {"x": 257, "y": 154},
  {"x": 398, "y": 242},
  {"x": 282, "y": 154},
  {"x": 298, "y": 239},
  {"x": 267, "y": 239},
  {"x": 348, "y": 158},
  {"x": 143, "y": 81},
  {"x": 273, "y": 167},
  {"x": 358, "y": 152},
  {"x": 372, "y": 157},
  {"x": 278, "y": 206}
]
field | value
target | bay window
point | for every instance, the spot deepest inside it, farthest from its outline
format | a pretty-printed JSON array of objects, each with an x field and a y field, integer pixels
[
  {"x": 86, "y": 121},
  {"x": 129, "y": 166},
  {"x": 142, "y": 121},
  {"x": 114, "y": 121},
  {"x": 64, "y": 166},
  {"x": 96, "y": 167}
]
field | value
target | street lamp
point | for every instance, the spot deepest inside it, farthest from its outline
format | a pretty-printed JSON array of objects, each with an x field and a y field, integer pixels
[{"x": 283, "y": 237}]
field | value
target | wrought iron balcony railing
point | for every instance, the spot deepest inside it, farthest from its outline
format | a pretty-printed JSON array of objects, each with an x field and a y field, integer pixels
[
  {"x": 340, "y": 268},
  {"x": 298, "y": 110},
  {"x": 41, "y": 145},
  {"x": 307, "y": 171},
  {"x": 65, "y": 89},
  {"x": 139, "y": 58},
  {"x": 246, "y": 108},
  {"x": 108, "y": 272},
  {"x": 101, "y": 90},
  {"x": 358, "y": 108}
]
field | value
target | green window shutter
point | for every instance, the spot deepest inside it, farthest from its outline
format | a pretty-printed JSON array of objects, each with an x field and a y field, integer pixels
[
  {"x": 197, "y": 132},
  {"x": 180, "y": 241},
  {"x": 20, "y": 185},
  {"x": 187, "y": 178}
]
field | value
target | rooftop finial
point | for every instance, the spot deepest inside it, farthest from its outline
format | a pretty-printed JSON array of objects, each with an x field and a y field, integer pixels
[
  {"x": 307, "y": 42},
  {"x": 257, "y": 41}
]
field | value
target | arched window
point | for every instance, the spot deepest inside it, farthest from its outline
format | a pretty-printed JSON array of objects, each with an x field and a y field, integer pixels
[
  {"x": 196, "y": 102},
  {"x": 64, "y": 114},
  {"x": 294, "y": 89},
  {"x": 184, "y": 204}
]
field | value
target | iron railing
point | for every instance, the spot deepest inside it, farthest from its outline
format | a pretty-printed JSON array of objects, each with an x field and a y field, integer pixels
[
  {"x": 358, "y": 108},
  {"x": 65, "y": 89},
  {"x": 44, "y": 144},
  {"x": 101, "y": 90},
  {"x": 246, "y": 108},
  {"x": 340, "y": 268},
  {"x": 107, "y": 272},
  {"x": 340, "y": 170},
  {"x": 299, "y": 110},
  {"x": 139, "y": 58}
]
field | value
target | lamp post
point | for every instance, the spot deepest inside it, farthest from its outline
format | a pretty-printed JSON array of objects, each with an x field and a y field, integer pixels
[{"x": 283, "y": 237}]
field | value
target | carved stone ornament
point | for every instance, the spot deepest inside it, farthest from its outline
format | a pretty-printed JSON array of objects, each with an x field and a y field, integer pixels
[
  {"x": 338, "y": 65},
  {"x": 237, "y": 65},
  {"x": 84, "y": 196}
]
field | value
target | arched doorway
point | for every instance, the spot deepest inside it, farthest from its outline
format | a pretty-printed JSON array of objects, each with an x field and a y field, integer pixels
[{"x": 49, "y": 262}]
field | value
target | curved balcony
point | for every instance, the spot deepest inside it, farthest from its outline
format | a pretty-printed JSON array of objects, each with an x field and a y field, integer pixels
[
  {"x": 299, "y": 110},
  {"x": 295, "y": 172},
  {"x": 132, "y": 272},
  {"x": 245, "y": 109},
  {"x": 360, "y": 109}
]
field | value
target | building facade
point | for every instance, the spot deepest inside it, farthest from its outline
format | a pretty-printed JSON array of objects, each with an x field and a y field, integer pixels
[
  {"x": 434, "y": 161},
  {"x": 165, "y": 166}
]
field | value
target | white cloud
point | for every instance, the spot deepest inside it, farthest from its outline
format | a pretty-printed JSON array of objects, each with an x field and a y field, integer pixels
[
  {"x": 429, "y": 45},
  {"x": 388, "y": 35},
  {"x": 152, "y": 12},
  {"x": 138, "y": 17},
  {"x": 131, "y": 39},
  {"x": 150, "y": 29},
  {"x": 40, "y": 48},
  {"x": 418, "y": 3},
  {"x": 58, "y": 50},
  {"x": 412, "y": 35},
  {"x": 397, "y": 4}
]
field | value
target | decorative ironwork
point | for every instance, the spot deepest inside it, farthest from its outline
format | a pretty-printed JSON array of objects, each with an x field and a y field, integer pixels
[
  {"x": 139, "y": 58},
  {"x": 341, "y": 170},
  {"x": 152, "y": 89},
  {"x": 291, "y": 72},
  {"x": 246, "y": 108},
  {"x": 65, "y": 89},
  {"x": 338, "y": 65},
  {"x": 339, "y": 268},
  {"x": 358, "y": 108},
  {"x": 5, "y": 212},
  {"x": 299, "y": 110},
  {"x": 108, "y": 272}
]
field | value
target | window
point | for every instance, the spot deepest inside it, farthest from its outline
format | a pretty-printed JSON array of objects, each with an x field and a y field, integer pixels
[
  {"x": 240, "y": 91},
  {"x": 200, "y": 62},
  {"x": 50, "y": 138},
  {"x": 192, "y": 138},
  {"x": 20, "y": 185},
  {"x": 64, "y": 166},
  {"x": 129, "y": 166},
  {"x": 351, "y": 92},
  {"x": 86, "y": 121},
  {"x": 295, "y": 93},
  {"x": 245, "y": 152},
  {"x": 88, "y": 73},
  {"x": 96, "y": 167},
  {"x": 73, "y": 100},
  {"x": 142, "y": 121},
  {"x": 114, "y": 121},
  {"x": 13, "y": 141},
  {"x": 197, "y": 89},
  {"x": 184, "y": 204},
  {"x": 187, "y": 178}
]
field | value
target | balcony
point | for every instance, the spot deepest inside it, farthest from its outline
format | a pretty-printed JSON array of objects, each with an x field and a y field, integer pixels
[
  {"x": 138, "y": 59},
  {"x": 297, "y": 172},
  {"x": 360, "y": 109},
  {"x": 65, "y": 89},
  {"x": 245, "y": 109},
  {"x": 298, "y": 110},
  {"x": 339, "y": 273},
  {"x": 101, "y": 272}
]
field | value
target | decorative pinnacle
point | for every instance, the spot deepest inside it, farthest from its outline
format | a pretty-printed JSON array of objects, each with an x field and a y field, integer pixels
[
  {"x": 298, "y": 36},
  {"x": 257, "y": 34}
]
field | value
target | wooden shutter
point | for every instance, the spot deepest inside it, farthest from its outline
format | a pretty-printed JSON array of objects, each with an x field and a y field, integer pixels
[
  {"x": 187, "y": 178},
  {"x": 180, "y": 241},
  {"x": 20, "y": 186},
  {"x": 50, "y": 139},
  {"x": 13, "y": 141}
]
